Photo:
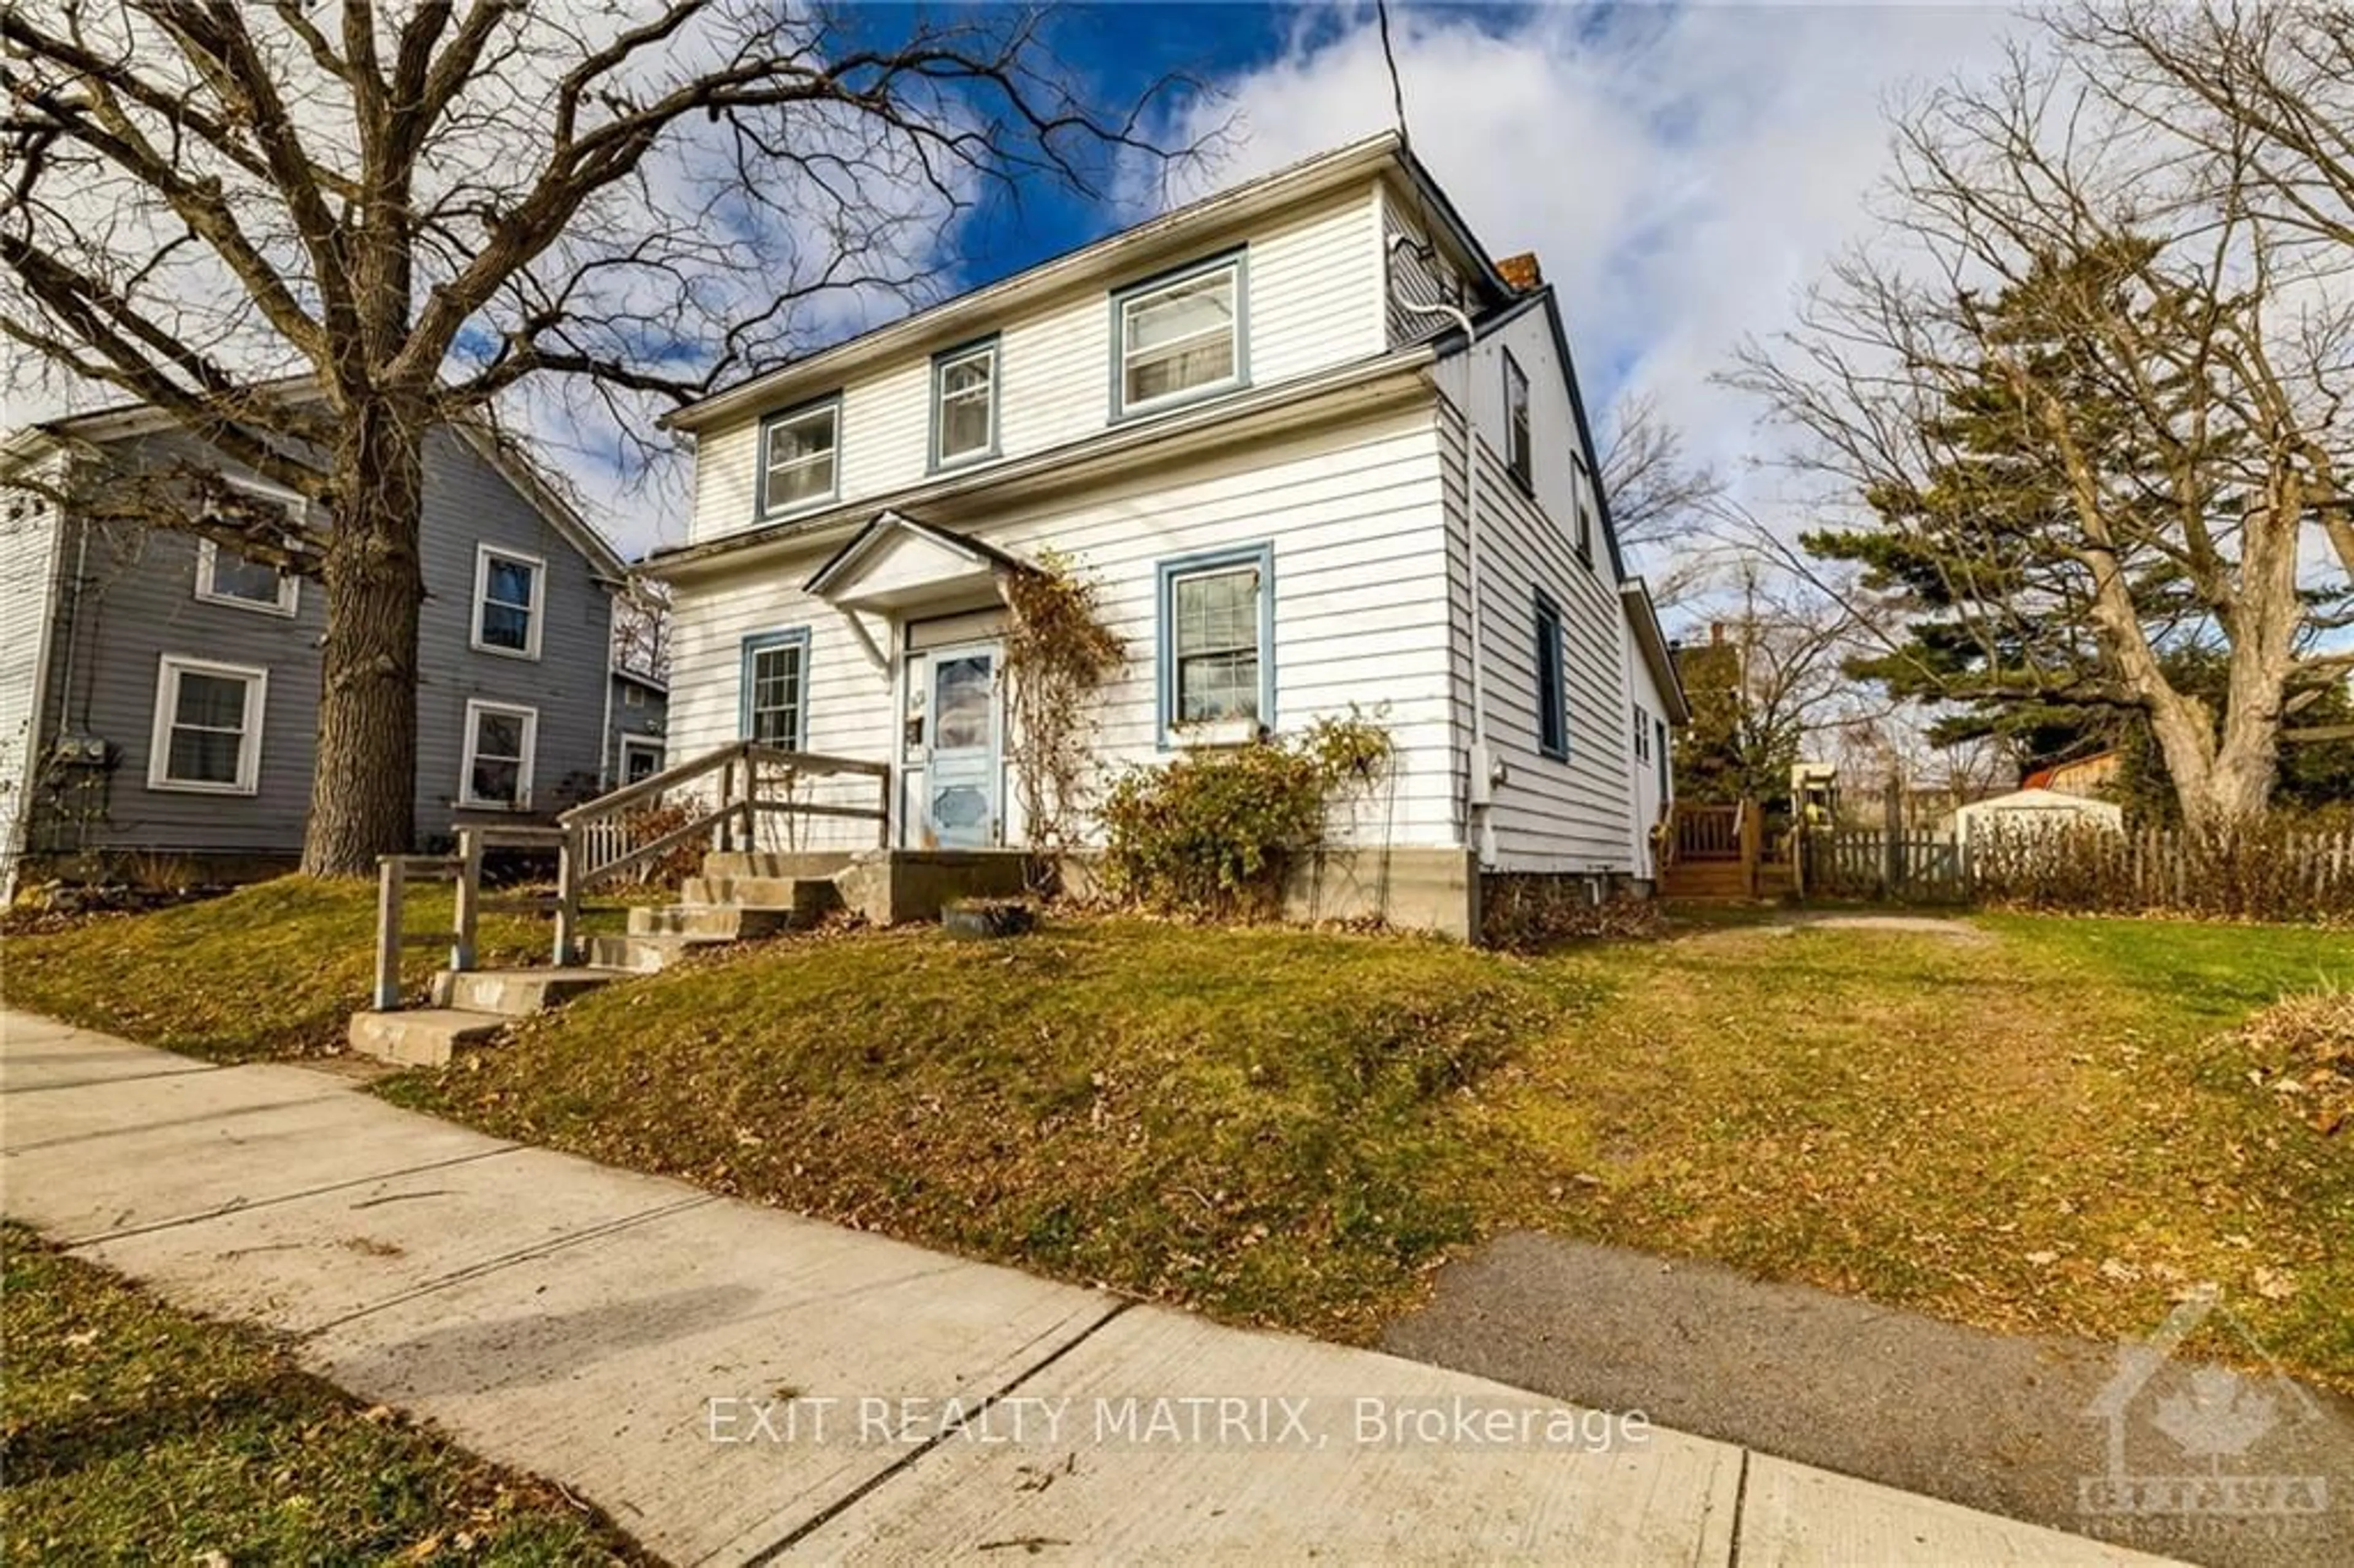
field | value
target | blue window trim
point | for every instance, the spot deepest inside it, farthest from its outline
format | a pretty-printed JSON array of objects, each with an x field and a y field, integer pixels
[
  {"x": 759, "y": 643},
  {"x": 933, "y": 462},
  {"x": 760, "y": 512},
  {"x": 1550, "y": 662},
  {"x": 1164, "y": 660},
  {"x": 1239, "y": 259}
]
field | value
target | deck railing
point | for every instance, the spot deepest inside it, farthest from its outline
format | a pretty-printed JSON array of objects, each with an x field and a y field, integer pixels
[{"x": 602, "y": 840}]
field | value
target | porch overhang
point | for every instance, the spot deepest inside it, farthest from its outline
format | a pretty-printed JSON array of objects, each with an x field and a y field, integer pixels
[{"x": 896, "y": 562}]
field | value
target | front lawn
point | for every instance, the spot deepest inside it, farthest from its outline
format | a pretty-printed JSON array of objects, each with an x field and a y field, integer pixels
[
  {"x": 275, "y": 970},
  {"x": 2040, "y": 1128},
  {"x": 1266, "y": 1123},
  {"x": 132, "y": 1433}
]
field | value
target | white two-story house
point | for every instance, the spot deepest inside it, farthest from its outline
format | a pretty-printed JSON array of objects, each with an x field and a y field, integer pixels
[{"x": 1315, "y": 451}]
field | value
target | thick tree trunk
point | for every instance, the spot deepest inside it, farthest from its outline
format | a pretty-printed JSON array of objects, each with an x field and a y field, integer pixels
[{"x": 364, "y": 782}]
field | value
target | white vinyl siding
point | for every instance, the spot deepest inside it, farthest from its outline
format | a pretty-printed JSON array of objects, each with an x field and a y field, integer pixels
[
  {"x": 28, "y": 537},
  {"x": 1311, "y": 301},
  {"x": 209, "y": 719},
  {"x": 1359, "y": 610},
  {"x": 502, "y": 744},
  {"x": 510, "y": 588}
]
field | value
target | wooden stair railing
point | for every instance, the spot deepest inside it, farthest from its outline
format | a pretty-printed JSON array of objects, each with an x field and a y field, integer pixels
[{"x": 594, "y": 842}]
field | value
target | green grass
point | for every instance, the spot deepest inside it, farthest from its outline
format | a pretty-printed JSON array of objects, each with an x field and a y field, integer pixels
[
  {"x": 275, "y": 970},
  {"x": 2041, "y": 1131},
  {"x": 2048, "y": 1128},
  {"x": 130, "y": 1433},
  {"x": 1260, "y": 1122}
]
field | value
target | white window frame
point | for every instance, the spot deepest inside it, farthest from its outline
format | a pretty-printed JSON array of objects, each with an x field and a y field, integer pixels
[
  {"x": 829, "y": 411},
  {"x": 1125, "y": 305},
  {"x": 1519, "y": 446},
  {"x": 207, "y": 560},
  {"x": 483, "y": 553},
  {"x": 169, "y": 668},
  {"x": 475, "y": 708},
  {"x": 941, "y": 456}
]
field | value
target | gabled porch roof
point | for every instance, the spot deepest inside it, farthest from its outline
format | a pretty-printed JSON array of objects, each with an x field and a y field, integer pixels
[{"x": 896, "y": 561}]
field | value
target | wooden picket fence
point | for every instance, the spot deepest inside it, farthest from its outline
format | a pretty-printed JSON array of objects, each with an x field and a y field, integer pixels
[{"x": 2282, "y": 870}]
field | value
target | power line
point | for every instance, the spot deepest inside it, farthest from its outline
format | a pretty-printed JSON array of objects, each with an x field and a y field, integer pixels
[{"x": 1389, "y": 56}]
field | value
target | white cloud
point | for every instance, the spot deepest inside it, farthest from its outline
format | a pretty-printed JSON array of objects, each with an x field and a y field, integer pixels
[{"x": 1681, "y": 173}]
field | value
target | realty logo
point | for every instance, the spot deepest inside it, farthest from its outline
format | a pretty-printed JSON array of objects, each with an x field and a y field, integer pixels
[{"x": 2199, "y": 1432}]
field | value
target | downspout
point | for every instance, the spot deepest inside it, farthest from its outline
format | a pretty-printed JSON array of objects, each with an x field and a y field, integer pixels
[{"x": 1481, "y": 772}]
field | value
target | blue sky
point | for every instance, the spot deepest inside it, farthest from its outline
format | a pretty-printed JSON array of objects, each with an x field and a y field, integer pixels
[{"x": 1682, "y": 171}]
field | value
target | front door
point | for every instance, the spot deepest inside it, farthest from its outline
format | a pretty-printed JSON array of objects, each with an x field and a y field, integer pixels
[{"x": 963, "y": 773}]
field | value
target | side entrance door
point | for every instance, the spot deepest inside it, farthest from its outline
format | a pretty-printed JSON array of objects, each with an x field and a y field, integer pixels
[{"x": 964, "y": 770}]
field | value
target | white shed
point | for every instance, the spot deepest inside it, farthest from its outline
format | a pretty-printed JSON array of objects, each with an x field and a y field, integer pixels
[{"x": 2033, "y": 808}]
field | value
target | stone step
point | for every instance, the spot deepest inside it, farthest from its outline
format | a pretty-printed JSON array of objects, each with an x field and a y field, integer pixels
[
  {"x": 807, "y": 897},
  {"x": 785, "y": 863},
  {"x": 421, "y": 1036},
  {"x": 645, "y": 954},
  {"x": 516, "y": 993},
  {"x": 734, "y": 922}
]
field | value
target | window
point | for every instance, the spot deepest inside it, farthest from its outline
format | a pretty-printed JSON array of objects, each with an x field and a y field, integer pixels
[
  {"x": 797, "y": 458},
  {"x": 500, "y": 740},
  {"x": 1584, "y": 531},
  {"x": 1642, "y": 737},
  {"x": 224, "y": 576},
  {"x": 641, "y": 759},
  {"x": 208, "y": 727},
  {"x": 1217, "y": 624},
  {"x": 1516, "y": 421},
  {"x": 1180, "y": 337},
  {"x": 1659, "y": 757},
  {"x": 776, "y": 688},
  {"x": 1552, "y": 715},
  {"x": 633, "y": 697},
  {"x": 964, "y": 404},
  {"x": 507, "y": 587}
]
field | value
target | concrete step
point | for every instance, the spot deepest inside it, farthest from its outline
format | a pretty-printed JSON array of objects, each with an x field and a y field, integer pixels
[
  {"x": 809, "y": 898},
  {"x": 516, "y": 993},
  {"x": 792, "y": 863},
  {"x": 734, "y": 922},
  {"x": 645, "y": 954},
  {"x": 421, "y": 1036}
]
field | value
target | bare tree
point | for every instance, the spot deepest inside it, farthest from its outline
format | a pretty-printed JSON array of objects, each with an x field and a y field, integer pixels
[
  {"x": 1657, "y": 496},
  {"x": 2265, "y": 94},
  {"x": 2090, "y": 399},
  {"x": 310, "y": 234},
  {"x": 641, "y": 629},
  {"x": 1765, "y": 685}
]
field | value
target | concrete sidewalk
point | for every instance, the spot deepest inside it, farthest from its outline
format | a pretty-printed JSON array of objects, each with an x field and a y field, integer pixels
[{"x": 739, "y": 1385}]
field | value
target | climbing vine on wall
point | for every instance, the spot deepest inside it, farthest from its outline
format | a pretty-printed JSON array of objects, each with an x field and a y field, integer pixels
[{"x": 1058, "y": 652}]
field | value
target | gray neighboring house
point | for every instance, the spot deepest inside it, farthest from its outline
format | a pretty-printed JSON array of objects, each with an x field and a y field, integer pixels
[
  {"x": 640, "y": 715},
  {"x": 160, "y": 695}
]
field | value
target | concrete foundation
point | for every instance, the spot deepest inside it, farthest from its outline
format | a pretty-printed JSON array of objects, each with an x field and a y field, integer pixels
[
  {"x": 1433, "y": 890},
  {"x": 889, "y": 887}
]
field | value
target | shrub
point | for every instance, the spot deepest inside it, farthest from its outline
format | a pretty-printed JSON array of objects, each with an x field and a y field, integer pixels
[
  {"x": 1213, "y": 832},
  {"x": 1530, "y": 914}
]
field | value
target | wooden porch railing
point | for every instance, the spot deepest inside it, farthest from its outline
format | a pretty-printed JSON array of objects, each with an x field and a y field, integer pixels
[{"x": 601, "y": 840}]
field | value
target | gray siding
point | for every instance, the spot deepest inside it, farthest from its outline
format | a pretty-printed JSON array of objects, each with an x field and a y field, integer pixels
[
  {"x": 648, "y": 721},
  {"x": 136, "y": 602}
]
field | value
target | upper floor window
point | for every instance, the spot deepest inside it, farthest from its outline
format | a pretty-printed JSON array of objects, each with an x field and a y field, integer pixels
[
  {"x": 776, "y": 688},
  {"x": 224, "y": 576},
  {"x": 1552, "y": 712},
  {"x": 1516, "y": 420},
  {"x": 1181, "y": 337},
  {"x": 208, "y": 727},
  {"x": 964, "y": 404},
  {"x": 508, "y": 587},
  {"x": 1217, "y": 622},
  {"x": 797, "y": 453}
]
